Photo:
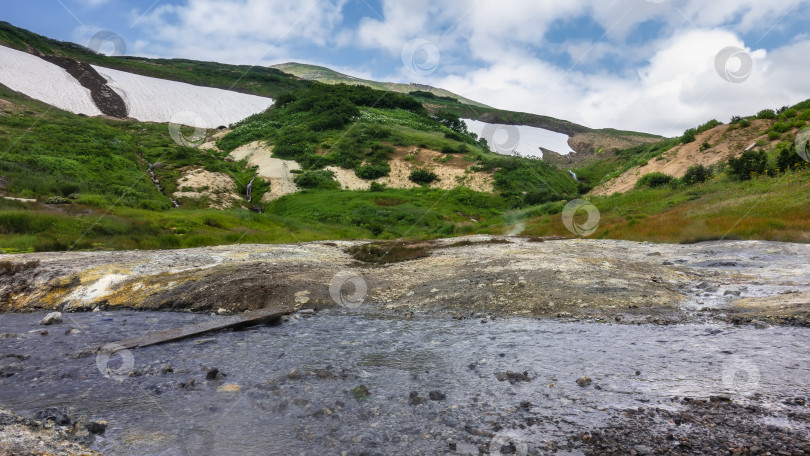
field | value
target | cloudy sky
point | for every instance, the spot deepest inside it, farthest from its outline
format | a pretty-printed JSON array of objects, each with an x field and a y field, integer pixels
[{"x": 659, "y": 66}]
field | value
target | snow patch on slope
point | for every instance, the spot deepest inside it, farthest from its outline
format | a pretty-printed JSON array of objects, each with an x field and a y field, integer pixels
[
  {"x": 159, "y": 100},
  {"x": 44, "y": 81},
  {"x": 526, "y": 140}
]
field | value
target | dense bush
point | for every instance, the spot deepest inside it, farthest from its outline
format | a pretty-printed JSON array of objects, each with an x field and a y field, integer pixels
[
  {"x": 787, "y": 158},
  {"x": 751, "y": 163},
  {"x": 766, "y": 114},
  {"x": 697, "y": 174},
  {"x": 688, "y": 136},
  {"x": 317, "y": 180},
  {"x": 422, "y": 176},
  {"x": 371, "y": 172},
  {"x": 653, "y": 180}
]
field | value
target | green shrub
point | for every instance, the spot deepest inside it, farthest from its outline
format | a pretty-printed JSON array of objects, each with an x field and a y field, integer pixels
[
  {"x": 751, "y": 163},
  {"x": 376, "y": 187},
  {"x": 745, "y": 123},
  {"x": 422, "y": 176},
  {"x": 317, "y": 180},
  {"x": 766, "y": 114},
  {"x": 688, "y": 136},
  {"x": 653, "y": 180},
  {"x": 705, "y": 146},
  {"x": 787, "y": 158},
  {"x": 774, "y": 135},
  {"x": 696, "y": 174},
  {"x": 371, "y": 172}
]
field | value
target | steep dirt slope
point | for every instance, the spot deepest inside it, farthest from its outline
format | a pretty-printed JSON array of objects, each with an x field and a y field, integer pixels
[{"x": 725, "y": 143}]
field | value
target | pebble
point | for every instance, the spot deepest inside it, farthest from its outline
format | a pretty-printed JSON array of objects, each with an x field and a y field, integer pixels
[
  {"x": 52, "y": 319},
  {"x": 437, "y": 396},
  {"x": 230, "y": 388},
  {"x": 213, "y": 374}
]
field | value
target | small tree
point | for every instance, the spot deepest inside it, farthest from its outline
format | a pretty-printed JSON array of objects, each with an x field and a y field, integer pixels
[
  {"x": 787, "y": 159},
  {"x": 697, "y": 174},
  {"x": 751, "y": 163}
]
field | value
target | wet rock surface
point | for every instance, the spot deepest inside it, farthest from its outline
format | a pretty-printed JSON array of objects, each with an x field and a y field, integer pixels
[{"x": 471, "y": 277}]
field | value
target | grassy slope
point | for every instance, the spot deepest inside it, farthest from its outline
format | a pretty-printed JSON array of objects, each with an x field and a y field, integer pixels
[
  {"x": 329, "y": 76},
  {"x": 765, "y": 208}
]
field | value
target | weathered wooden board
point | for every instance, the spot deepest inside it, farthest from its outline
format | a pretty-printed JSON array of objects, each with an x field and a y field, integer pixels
[{"x": 250, "y": 318}]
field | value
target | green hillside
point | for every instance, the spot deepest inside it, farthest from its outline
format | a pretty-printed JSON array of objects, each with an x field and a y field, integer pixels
[{"x": 329, "y": 76}]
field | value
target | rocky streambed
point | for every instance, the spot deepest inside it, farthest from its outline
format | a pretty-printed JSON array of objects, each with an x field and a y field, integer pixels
[
  {"x": 341, "y": 382},
  {"x": 477, "y": 345}
]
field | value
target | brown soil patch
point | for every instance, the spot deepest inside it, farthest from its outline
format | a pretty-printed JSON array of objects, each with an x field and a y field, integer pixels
[
  {"x": 219, "y": 188},
  {"x": 452, "y": 173},
  {"x": 725, "y": 143}
]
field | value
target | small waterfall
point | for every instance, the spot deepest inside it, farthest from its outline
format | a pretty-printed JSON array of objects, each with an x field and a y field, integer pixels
[
  {"x": 157, "y": 184},
  {"x": 573, "y": 174},
  {"x": 249, "y": 190}
]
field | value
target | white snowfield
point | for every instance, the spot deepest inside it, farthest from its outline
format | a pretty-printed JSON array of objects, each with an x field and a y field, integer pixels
[
  {"x": 148, "y": 99},
  {"x": 159, "y": 100},
  {"x": 44, "y": 81},
  {"x": 525, "y": 140}
]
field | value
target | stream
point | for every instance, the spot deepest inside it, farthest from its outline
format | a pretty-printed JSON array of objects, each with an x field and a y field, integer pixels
[{"x": 433, "y": 384}]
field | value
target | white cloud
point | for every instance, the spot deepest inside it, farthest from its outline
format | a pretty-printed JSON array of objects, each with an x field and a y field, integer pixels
[
  {"x": 675, "y": 85},
  {"x": 239, "y": 31}
]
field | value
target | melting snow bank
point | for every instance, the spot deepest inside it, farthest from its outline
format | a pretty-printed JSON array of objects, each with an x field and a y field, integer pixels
[
  {"x": 147, "y": 99},
  {"x": 159, "y": 100},
  {"x": 44, "y": 81},
  {"x": 527, "y": 141}
]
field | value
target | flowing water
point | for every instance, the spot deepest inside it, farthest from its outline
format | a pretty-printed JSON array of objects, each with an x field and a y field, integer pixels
[{"x": 299, "y": 380}]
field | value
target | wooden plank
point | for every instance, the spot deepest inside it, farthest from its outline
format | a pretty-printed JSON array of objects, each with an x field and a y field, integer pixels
[{"x": 250, "y": 318}]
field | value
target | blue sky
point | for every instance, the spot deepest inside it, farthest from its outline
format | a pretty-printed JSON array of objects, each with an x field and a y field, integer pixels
[{"x": 646, "y": 65}]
